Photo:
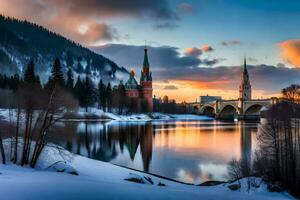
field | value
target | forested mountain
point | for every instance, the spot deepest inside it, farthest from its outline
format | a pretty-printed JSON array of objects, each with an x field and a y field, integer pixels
[{"x": 21, "y": 41}]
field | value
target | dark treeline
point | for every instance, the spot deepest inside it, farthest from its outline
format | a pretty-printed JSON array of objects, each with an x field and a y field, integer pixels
[
  {"x": 166, "y": 105},
  {"x": 83, "y": 88}
]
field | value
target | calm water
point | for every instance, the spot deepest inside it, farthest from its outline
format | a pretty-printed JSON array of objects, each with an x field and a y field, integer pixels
[{"x": 189, "y": 151}]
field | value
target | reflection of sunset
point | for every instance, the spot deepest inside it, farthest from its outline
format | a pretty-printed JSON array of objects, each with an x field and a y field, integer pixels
[{"x": 223, "y": 141}]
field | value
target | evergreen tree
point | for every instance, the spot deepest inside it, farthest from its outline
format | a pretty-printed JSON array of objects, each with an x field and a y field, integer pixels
[
  {"x": 121, "y": 97},
  {"x": 70, "y": 80},
  {"x": 79, "y": 91},
  {"x": 29, "y": 75},
  {"x": 5, "y": 82},
  {"x": 2, "y": 81},
  {"x": 15, "y": 82},
  {"x": 57, "y": 74},
  {"x": 89, "y": 93},
  {"x": 108, "y": 97},
  {"x": 101, "y": 94}
]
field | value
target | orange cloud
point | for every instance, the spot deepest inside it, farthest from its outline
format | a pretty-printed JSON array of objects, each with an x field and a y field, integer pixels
[
  {"x": 290, "y": 52},
  {"x": 206, "y": 48},
  {"x": 193, "y": 51}
]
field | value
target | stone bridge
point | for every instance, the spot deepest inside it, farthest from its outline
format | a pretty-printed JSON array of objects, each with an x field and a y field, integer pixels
[{"x": 240, "y": 109}]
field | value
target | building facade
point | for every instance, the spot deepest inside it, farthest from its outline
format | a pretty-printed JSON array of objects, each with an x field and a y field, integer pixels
[
  {"x": 208, "y": 99},
  {"x": 142, "y": 92},
  {"x": 245, "y": 86}
]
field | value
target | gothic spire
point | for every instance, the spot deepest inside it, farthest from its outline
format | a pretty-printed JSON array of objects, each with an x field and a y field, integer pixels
[
  {"x": 146, "y": 62},
  {"x": 245, "y": 86},
  {"x": 245, "y": 66}
]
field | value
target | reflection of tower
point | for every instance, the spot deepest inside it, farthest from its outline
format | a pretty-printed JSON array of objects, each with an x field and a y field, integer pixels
[
  {"x": 132, "y": 140},
  {"x": 245, "y": 86},
  {"x": 246, "y": 142},
  {"x": 146, "y": 146}
]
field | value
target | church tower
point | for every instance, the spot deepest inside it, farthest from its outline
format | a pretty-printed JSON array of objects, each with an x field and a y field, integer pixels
[
  {"x": 146, "y": 81},
  {"x": 245, "y": 86}
]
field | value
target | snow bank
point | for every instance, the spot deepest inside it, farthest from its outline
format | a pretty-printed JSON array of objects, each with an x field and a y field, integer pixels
[
  {"x": 100, "y": 180},
  {"x": 98, "y": 114}
]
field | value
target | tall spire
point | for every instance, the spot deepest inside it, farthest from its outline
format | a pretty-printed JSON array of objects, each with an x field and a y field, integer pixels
[
  {"x": 245, "y": 86},
  {"x": 146, "y": 62},
  {"x": 245, "y": 66}
]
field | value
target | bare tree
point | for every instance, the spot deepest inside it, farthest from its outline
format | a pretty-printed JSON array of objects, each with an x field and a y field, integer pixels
[{"x": 279, "y": 142}]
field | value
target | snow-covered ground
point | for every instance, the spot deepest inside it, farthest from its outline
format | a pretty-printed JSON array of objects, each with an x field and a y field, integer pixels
[
  {"x": 98, "y": 114},
  {"x": 94, "y": 113},
  {"x": 100, "y": 180}
]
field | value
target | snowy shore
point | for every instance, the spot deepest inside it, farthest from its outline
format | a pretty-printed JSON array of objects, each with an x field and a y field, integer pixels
[
  {"x": 97, "y": 114},
  {"x": 77, "y": 177},
  {"x": 62, "y": 175}
]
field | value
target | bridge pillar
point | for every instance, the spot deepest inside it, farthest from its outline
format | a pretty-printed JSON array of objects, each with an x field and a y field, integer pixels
[{"x": 241, "y": 106}]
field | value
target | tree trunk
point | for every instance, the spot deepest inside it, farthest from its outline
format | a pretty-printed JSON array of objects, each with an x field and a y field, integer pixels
[{"x": 2, "y": 150}]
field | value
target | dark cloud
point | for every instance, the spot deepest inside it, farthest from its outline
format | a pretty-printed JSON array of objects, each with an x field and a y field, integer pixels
[
  {"x": 162, "y": 58},
  {"x": 167, "y": 64},
  {"x": 231, "y": 43},
  {"x": 263, "y": 77},
  {"x": 280, "y": 65},
  {"x": 68, "y": 17},
  {"x": 170, "y": 87}
]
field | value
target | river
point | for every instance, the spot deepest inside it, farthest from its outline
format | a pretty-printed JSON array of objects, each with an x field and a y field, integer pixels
[{"x": 188, "y": 151}]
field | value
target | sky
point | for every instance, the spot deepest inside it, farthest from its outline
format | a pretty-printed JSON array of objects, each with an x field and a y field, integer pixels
[{"x": 196, "y": 47}]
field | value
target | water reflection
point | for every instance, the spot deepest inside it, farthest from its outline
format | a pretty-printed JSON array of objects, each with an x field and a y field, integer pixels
[{"x": 190, "y": 151}]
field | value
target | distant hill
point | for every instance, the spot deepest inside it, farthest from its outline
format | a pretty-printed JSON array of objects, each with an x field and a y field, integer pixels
[{"x": 21, "y": 41}]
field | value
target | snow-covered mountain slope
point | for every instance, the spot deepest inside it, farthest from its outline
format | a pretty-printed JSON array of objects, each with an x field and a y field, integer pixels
[{"x": 21, "y": 41}]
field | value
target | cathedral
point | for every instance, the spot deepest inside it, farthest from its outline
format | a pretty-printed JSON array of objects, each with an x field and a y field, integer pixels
[
  {"x": 245, "y": 86},
  {"x": 142, "y": 92}
]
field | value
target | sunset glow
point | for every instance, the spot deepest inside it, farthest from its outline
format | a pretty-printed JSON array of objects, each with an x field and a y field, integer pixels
[{"x": 198, "y": 61}]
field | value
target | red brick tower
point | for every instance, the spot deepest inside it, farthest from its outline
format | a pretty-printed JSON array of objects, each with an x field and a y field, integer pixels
[{"x": 146, "y": 82}]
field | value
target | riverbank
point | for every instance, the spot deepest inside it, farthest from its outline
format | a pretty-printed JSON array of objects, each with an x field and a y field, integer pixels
[
  {"x": 62, "y": 175},
  {"x": 98, "y": 114},
  {"x": 95, "y": 114}
]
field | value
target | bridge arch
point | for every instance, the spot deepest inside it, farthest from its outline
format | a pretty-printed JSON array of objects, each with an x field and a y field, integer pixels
[
  {"x": 208, "y": 110},
  {"x": 254, "y": 109},
  {"x": 229, "y": 111},
  {"x": 195, "y": 109}
]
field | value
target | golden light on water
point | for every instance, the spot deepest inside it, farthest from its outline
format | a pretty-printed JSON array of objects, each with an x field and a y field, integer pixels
[{"x": 205, "y": 139}]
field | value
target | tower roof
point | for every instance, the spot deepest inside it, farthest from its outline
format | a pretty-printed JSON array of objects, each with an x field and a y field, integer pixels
[
  {"x": 245, "y": 66},
  {"x": 146, "y": 74},
  {"x": 131, "y": 83},
  {"x": 146, "y": 61}
]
